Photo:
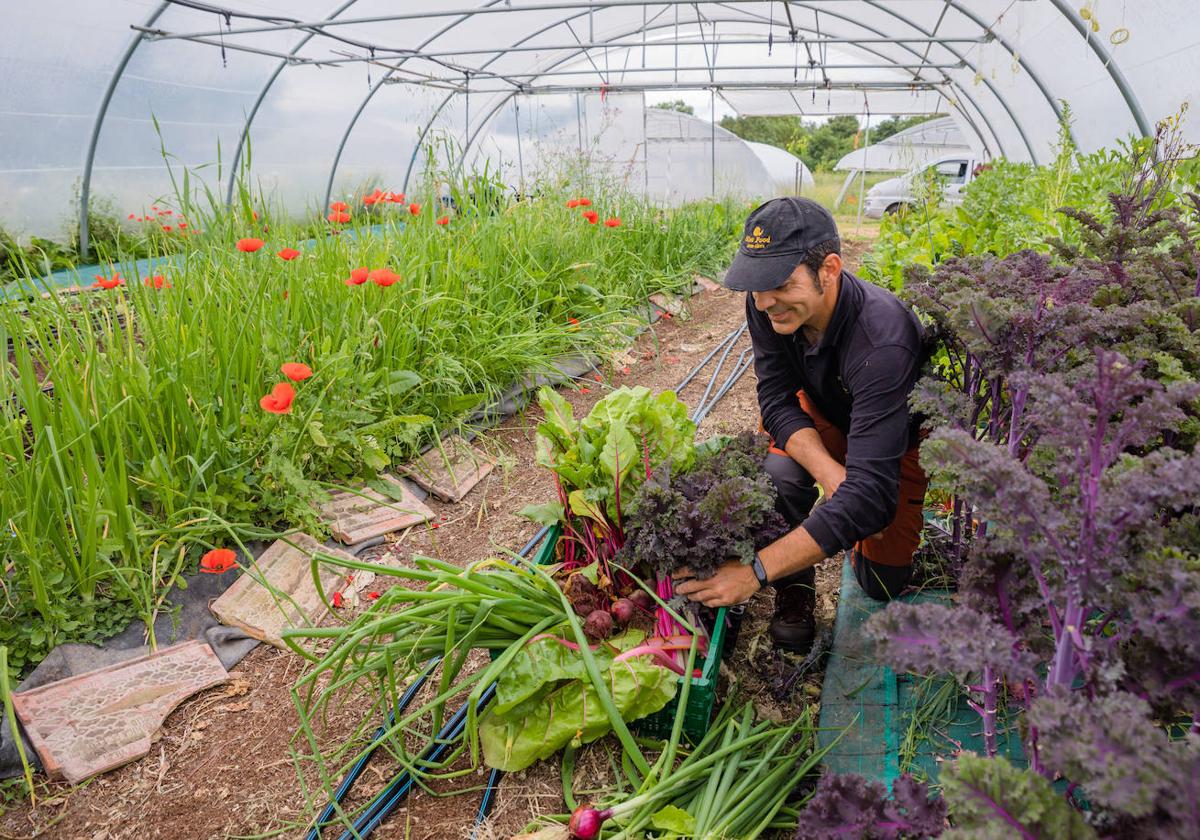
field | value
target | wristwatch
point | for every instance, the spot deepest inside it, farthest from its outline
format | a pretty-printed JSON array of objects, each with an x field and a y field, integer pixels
[{"x": 759, "y": 571}]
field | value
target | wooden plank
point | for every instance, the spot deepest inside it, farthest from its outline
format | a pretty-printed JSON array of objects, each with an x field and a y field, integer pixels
[
  {"x": 292, "y": 599},
  {"x": 452, "y": 471},
  {"x": 357, "y": 516}
]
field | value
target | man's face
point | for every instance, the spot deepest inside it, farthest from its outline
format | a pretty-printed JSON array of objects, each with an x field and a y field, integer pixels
[{"x": 793, "y": 304}]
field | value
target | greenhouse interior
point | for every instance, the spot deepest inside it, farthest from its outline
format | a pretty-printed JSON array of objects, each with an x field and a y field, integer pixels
[{"x": 477, "y": 419}]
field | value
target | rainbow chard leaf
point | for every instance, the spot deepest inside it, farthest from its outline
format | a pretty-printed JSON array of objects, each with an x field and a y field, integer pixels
[{"x": 545, "y": 700}]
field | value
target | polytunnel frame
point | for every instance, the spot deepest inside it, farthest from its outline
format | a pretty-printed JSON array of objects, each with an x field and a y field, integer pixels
[
  {"x": 757, "y": 19},
  {"x": 1106, "y": 60},
  {"x": 753, "y": 20}
]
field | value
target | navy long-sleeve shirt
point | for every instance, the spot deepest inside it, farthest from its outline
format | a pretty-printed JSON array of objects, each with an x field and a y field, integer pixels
[{"x": 858, "y": 375}]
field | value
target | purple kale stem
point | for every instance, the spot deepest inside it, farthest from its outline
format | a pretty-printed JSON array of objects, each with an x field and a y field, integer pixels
[
  {"x": 1063, "y": 671},
  {"x": 1014, "y": 421},
  {"x": 990, "y": 697}
]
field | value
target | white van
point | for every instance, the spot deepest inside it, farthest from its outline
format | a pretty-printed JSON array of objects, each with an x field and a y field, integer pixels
[{"x": 894, "y": 194}]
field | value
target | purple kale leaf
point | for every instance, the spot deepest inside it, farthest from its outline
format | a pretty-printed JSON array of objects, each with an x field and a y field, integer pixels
[
  {"x": 850, "y": 806},
  {"x": 1106, "y": 744},
  {"x": 932, "y": 638},
  {"x": 722, "y": 508}
]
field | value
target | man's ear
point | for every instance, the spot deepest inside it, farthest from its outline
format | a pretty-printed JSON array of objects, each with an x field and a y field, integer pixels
[{"x": 831, "y": 269}]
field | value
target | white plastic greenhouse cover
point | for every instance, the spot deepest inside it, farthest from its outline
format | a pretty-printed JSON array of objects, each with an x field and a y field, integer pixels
[
  {"x": 909, "y": 148},
  {"x": 336, "y": 93},
  {"x": 788, "y": 173}
]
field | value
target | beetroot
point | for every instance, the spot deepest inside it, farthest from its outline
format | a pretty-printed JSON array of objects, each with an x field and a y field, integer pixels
[
  {"x": 598, "y": 626},
  {"x": 643, "y": 600},
  {"x": 623, "y": 611},
  {"x": 584, "y": 595}
]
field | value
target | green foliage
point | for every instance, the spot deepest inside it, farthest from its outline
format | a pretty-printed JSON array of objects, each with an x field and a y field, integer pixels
[
  {"x": 1011, "y": 207},
  {"x": 675, "y": 105},
  {"x": 545, "y": 700},
  {"x": 774, "y": 131},
  {"x": 990, "y": 799}
]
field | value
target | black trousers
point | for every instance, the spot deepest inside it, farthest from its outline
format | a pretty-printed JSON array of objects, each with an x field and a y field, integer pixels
[{"x": 797, "y": 495}]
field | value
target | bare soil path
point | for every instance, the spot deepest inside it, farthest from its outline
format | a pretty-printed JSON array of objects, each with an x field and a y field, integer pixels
[{"x": 221, "y": 767}]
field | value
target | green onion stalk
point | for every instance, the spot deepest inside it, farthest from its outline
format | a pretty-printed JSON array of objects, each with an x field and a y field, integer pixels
[{"x": 734, "y": 783}]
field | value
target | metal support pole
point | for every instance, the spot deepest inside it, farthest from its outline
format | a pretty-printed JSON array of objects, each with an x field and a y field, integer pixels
[
  {"x": 712, "y": 139},
  {"x": 520, "y": 156},
  {"x": 89, "y": 155},
  {"x": 262, "y": 93},
  {"x": 1109, "y": 64},
  {"x": 337, "y": 155}
]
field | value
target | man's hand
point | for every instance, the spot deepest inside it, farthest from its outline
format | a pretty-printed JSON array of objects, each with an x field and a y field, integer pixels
[{"x": 733, "y": 583}]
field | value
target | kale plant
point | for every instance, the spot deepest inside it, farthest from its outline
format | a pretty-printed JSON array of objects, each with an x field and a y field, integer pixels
[
  {"x": 720, "y": 509},
  {"x": 847, "y": 805}
]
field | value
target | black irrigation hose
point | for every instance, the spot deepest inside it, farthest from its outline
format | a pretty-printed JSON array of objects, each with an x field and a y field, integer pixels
[
  {"x": 351, "y": 777},
  {"x": 489, "y": 799},
  {"x": 743, "y": 364},
  {"x": 392, "y": 795},
  {"x": 713, "y": 379},
  {"x": 729, "y": 339}
]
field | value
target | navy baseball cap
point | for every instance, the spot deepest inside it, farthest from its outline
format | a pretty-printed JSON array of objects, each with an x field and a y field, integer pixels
[{"x": 777, "y": 236}]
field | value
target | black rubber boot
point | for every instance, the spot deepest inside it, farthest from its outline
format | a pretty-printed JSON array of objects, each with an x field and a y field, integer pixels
[{"x": 793, "y": 625}]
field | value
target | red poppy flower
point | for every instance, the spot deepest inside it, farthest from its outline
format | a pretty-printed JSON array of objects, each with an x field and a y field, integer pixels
[
  {"x": 288, "y": 254},
  {"x": 167, "y": 212},
  {"x": 373, "y": 198},
  {"x": 585, "y": 390},
  {"x": 597, "y": 377},
  {"x": 108, "y": 282},
  {"x": 254, "y": 215},
  {"x": 338, "y": 217},
  {"x": 339, "y": 207},
  {"x": 218, "y": 561},
  {"x": 250, "y": 245},
  {"x": 157, "y": 281},
  {"x": 182, "y": 225},
  {"x": 585, "y": 202},
  {"x": 296, "y": 371},
  {"x": 154, "y": 207},
  {"x": 395, "y": 198},
  {"x": 374, "y": 596},
  {"x": 445, "y": 220},
  {"x": 384, "y": 277},
  {"x": 573, "y": 203},
  {"x": 166, "y": 228},
  {"x": 573, "y": 321},
  {"x": 337, "y": 600},
  {"x": 435, "y": 525},
  {"x": 133, "y": 215},
  {"x": 612, "y": 222},
  {"x": 279, "y": 401},
  {"x": 415, "y": 209},
  {"x": 592, "y": 216},
  {"x": 358, "y": 276}
]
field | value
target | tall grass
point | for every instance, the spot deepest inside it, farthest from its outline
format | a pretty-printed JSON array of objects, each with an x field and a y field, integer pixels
[{"x": 130, "y": 426}]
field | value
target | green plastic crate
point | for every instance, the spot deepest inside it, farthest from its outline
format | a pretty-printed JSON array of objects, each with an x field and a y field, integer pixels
[{"x": 702, "y": 696}]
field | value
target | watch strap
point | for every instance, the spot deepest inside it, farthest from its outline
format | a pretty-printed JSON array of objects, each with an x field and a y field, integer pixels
[{"x": 759, "y": 571}]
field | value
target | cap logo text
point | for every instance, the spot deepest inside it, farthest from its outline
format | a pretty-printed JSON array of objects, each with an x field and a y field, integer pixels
[{"x": 756, "y": 240}]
